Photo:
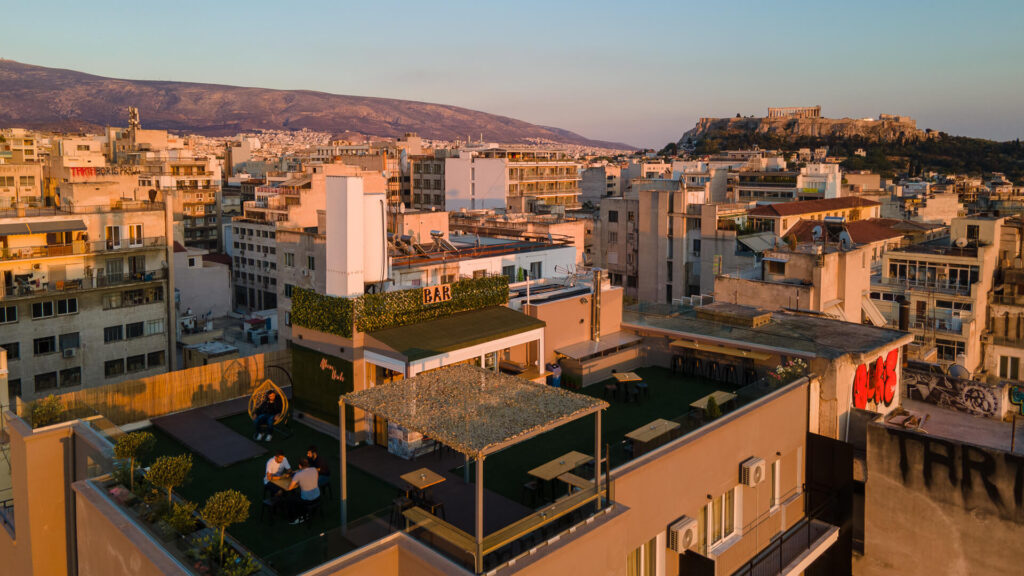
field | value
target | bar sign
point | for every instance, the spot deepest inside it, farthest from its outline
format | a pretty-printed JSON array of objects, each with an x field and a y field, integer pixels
[{"x": 436, "y": 294}]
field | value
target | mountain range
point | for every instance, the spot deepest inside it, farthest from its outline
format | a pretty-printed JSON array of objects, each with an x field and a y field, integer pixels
[{"x": 66, "y": 100}]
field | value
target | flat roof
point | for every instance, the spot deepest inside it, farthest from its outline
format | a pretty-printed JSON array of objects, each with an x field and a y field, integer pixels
[
  {"x": 473, "y": 410},
  {"x": 956, "y": 426},
  {"x": 454, "y": 332},
  {"x": 787, "y": 332}
]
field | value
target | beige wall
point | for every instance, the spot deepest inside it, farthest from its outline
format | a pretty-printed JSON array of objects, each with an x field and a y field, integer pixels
[{"x": 656, "y": 489}]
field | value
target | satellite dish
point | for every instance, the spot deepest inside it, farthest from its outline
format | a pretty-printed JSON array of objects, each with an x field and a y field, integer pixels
[
  {"x": 845, "y": 241},
  {"x": 816, "y": 233},
  {"x": 958, "y": 369},
  {"x": 960, "y": 242}
]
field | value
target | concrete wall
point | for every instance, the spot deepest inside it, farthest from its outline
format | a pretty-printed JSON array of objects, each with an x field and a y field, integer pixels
[
  {"x": 109, "y": 543},
  {"x": 934, "y": 506},
  {"x": 660, "y": 487},
  {"x": 475, "y": 183},
  {"x": 205, "y": 287}
]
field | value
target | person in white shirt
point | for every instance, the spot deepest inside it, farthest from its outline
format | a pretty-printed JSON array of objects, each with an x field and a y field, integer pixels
[
  {"x": 277, "y": 468},
  {"x": 307, "y": 480}
]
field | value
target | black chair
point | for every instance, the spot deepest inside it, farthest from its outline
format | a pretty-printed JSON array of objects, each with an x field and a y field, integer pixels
[
  {"x": 311, "y": 506},
  {"x": 271, "y": 503},
  {"x": 530, "y": 494},
  {"x": 398, "y": 505},
  {"x": 436, "y": 509},
  {"x": 627, "y": 448}
]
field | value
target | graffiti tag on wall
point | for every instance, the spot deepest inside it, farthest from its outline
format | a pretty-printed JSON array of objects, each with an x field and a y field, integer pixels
[
  {"x": 877, "y": 384},
  {"x": 976, "y": 471},
  {"x": 970, "y": 396},
  {"x": 1017, "y": 398}
]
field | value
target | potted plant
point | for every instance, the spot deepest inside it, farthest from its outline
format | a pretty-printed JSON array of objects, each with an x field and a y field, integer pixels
[
  {"x": 223, "y": 509},
  {"x": 47, "y": 411},
  {"x": 131, "y": 447},
  {"x": 169, "y": 472}
]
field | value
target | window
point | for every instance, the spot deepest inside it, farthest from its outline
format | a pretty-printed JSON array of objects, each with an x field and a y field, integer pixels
[
  {"x": 509, "y": 272},
  {"x": 773, "y": 267},
  {"x": 154, "y": 326},
  {"x": 112, "y": 234},
  {"x": 948, "y": 349},
  {"x": 311, "y": 263},
  {"x": 14, "y": 386},
  {"x": 631, "y": 216},
  {"x": 193, "y": 262},
  {"x": 135, "y": 234},
  {"x": 696, "y": 247},
  {"x": 45, "y": 345},
  {"x": 113, "y": 333},
  {"x": 27, "y": 180},
  {"x": 71, "y": 377},
  {"x": 536, "y": 270},
  {"x": 613, "y": 216},
  {"x": 288, "y": 290},
  {"x": 289, "y": 259},
  {"x": 46, "y": 381},
  {"x": 13, "y": 350},
  {"x": 67, "y": 306},
  {"x": 113, "y": 368},
  {"x": 721, "y": 520},
  {"x": 134, "y": 330},
  {"x": 154, "y": 359},
  {"x": 776, "y": 494},
  {"x": 70, "y": 340},
  {"x": 137, "y": 363},
  {"x": 973, "y": 232},
  {"x": 1009, "y": 367},
  {"x": 644, "y": 560},
  {"x": 8, "y": 314},
  {"x": 42, "y": 309}
]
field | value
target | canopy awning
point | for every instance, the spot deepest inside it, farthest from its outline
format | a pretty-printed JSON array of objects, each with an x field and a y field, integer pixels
[
  {"x": 718, "y": 349},
  {"x": 584, "y": 350},
  {"x": 455, "y": 331},
  {"x": 48, "y": 226},
  {"x": 758, "y": 242},
  {"x": 13, "y": 229},
  {"x": 775, "y": 259}
]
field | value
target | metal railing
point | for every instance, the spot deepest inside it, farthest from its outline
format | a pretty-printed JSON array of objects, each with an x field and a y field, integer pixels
[
  {"x": 780, "y": 553},
  {"x": 87, "y": 283},
  {"x": 79, "y": 247},
  {"x": 935, "y": 286},
  {"x": 67, "y": 207}
]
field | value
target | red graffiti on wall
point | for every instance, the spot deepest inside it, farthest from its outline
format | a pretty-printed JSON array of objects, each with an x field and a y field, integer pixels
[{"x": 880, "y": 385}]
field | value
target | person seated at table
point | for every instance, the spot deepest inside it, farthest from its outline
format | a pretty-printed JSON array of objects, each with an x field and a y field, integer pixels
[
  {"x": 307, "y": 481},
  {"x": 277, "y": 468},
  {"x": 266, "y": 413},
  {"x": 316, "y": 461}
]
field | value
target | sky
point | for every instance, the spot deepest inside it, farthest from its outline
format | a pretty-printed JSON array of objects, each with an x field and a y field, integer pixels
[{"x": 639, "y": 73}]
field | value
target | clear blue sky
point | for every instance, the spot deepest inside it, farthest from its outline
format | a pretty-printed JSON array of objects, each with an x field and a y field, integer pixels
[{"x": 608, "y": 70}]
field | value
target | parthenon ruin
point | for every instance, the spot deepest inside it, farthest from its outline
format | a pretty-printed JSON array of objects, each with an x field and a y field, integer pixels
[{"x": 795, "y": 112}]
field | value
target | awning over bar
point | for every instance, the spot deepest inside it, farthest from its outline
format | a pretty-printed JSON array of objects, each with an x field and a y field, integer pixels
[{"x": 717, "y": 349}]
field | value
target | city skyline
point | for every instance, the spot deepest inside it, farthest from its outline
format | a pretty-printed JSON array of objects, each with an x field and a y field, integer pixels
[{"x": 600, "y": 70}]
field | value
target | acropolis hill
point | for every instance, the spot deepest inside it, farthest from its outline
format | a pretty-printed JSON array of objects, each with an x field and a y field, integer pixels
[{"x": 807, "y": 122}]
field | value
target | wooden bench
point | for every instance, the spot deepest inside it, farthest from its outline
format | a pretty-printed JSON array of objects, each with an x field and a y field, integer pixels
[
  {"x": 576, "y": 481},
  {"x": 420, "y": 518},
  {"x": 538, "y": 519}
]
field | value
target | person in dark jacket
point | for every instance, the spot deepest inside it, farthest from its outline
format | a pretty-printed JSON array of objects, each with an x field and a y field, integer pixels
[
  {"x": 317, "y": 461},
  {"x": 266, "y": 413}
]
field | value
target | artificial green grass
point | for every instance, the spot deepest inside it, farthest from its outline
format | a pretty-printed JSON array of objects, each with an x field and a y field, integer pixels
[
  {"x": 670, "y": 397},
  {"x": 276, "y": 543}
]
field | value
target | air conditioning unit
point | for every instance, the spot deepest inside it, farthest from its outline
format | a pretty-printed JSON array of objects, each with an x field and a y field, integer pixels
[
  {"x": 70, "y": 352},
  {"x": 682, "y": 535},
  {"x": 752, "y": 471}
]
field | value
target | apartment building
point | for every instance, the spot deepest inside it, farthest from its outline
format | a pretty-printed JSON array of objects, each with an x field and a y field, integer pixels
[
  {"x": 543, "y": 227},
  {"x": 21, "y": 186},
  {"x": 20, "y": 146},
  {"x": 833, "y": 279},
  {"x": 86, "y": 291},
  {"x": 512, "y": 178},
  {"x": 664, "y": 258},
  {"x": 944, "y": 285},
  {"x": 599, "y": 182},
  {"x": 616, "y": 235},
  {"x": 721, "y": 241},
  {"x": 779, "y": 218},
  {"x": 424, "y": 187}
]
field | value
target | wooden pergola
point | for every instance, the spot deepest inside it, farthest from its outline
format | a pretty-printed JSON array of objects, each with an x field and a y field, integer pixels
[{"x": 476, "y": 412}]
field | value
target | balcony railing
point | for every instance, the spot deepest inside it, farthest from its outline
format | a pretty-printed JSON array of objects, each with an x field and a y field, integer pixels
[
  {"x": 69, "y": 208},
  {"x": 86, "y": 283},
  {"x": 931, "y": 286},
  {"x": 801, "y": 538},
  {"x": 7, "y": 515},
  {"x": 80, "y": 247}
]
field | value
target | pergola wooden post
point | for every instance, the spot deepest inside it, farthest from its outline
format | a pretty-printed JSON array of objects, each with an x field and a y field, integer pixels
[{"x": 344, "y": 467}]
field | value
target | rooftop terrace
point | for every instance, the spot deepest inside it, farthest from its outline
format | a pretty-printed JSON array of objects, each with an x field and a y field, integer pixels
[{"x": 374, "y": 474}]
